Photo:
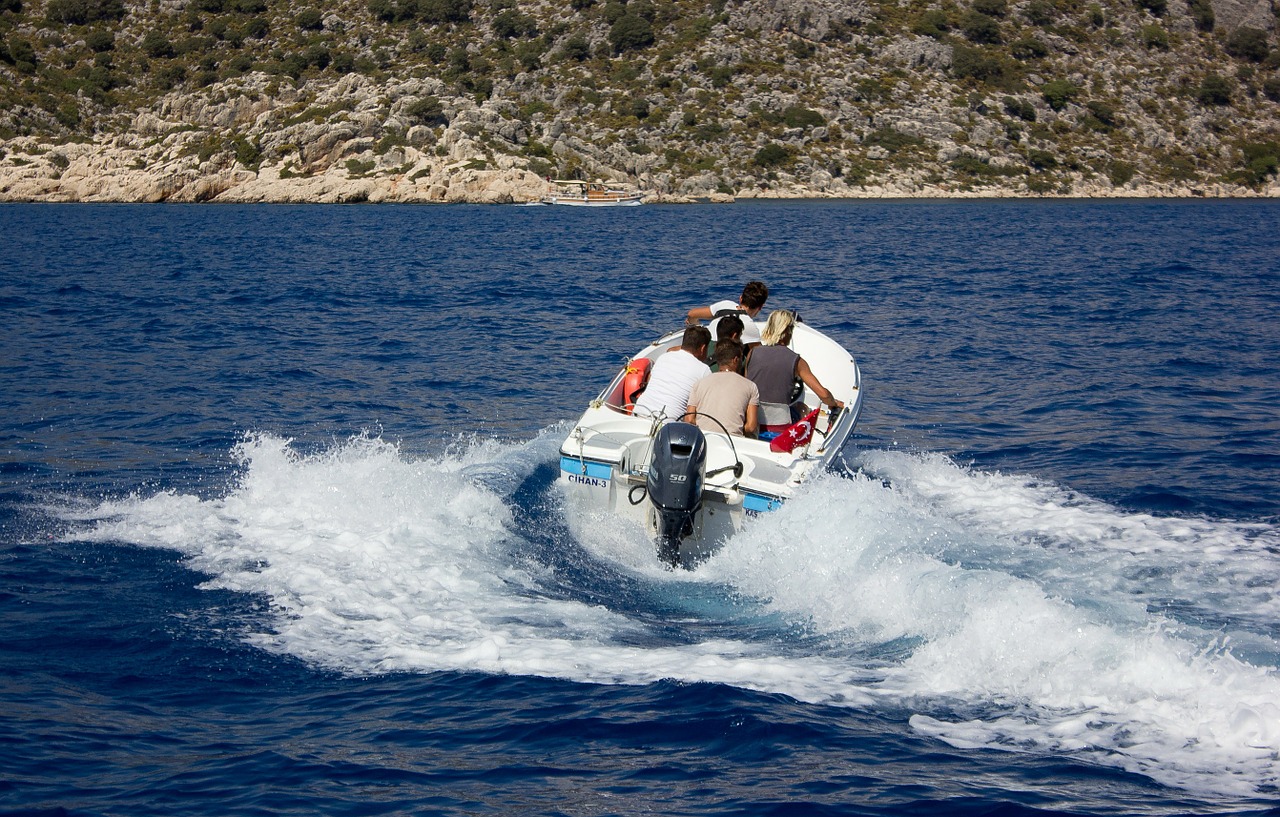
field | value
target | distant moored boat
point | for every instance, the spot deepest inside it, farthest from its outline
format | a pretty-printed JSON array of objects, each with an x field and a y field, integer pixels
[{"x": 590, "y": 194}]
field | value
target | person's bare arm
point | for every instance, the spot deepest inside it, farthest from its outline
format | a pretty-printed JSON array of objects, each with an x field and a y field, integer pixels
[
  {"x": 698, "y": 313},
  {"x": 811, "y": 380}
]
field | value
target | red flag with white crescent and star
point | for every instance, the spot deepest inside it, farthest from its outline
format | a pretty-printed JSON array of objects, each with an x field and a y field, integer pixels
[{"x": 795, "y": 435}]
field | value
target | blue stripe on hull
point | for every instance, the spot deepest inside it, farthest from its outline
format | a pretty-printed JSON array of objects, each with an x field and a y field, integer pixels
[
  {"x": 759, "y": 502},
  {"x": 586, "y": 468}
]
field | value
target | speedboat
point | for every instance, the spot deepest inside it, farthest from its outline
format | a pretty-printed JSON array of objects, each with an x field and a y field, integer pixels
[
  {"x": 590, "y": 194},
  {"x": 692, "y": 489}
]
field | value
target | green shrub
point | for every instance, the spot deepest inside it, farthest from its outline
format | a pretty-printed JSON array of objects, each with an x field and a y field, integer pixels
[
  {"x": 968, "y": 62},
  {"x": 1271, "y": 88},
  {"x": 772, "y": 155},
  {"x": 1040, "y": 12},
  {"x": 22, "y": 55},
  {"x": 799, "y": 117},
  {"x": 981, "y": 28},
  {"x": 343, "y": 62},
  {"x": 98, "y": 81},
  {"x": 1202, "y": 14},
  {"x": 291, "y": 65},
  {"x": 444, "y": 11},
  {"x": 1058, "y": 93},
  {"x": 68, "y": 115},
  {"x": 1028, "y": 48},
  {"x": 892, "y": 140},
  {"x": 1262, "y": 168},
  {"x": 1248, "y": 44},
  {"x": 630, "y": 32},
  {"x": 1262, "y": 161},
  {"x": 309, "y": 20},
  {"x": 171, "y": 76},
  {"x": 643, "y": 8},
  {"x": 576, "y": 48},
  {"x": 192, "y": 45},
  {"x": 100, "y": 41},
  {"x": 1156, "y": 7},
  {"x": 932, "y": 23},
  {"x": 1042, "y": 183},
  {"x": 722, "y": 75},
  {"x": 1120, "y": 173},
  {"x": 1154, "y": 37},
  {"x": 204, "y": 78},
  {"x": 800, "y": 49},
  {"x": 1103, "y": 113},
  {"x": 357, "y": 167},
  {"x": 317, "y": 55},
  {"x": 614, "y": 10},
  {"x": 157, "y": 46},
  {"x": 538, "y": 150},
  {"x": 255, "y": 28},
  {"x": 512, "y": 23},
  {"x": 80, "y": 12},
  {"x": 1214, "y": 90},
  {"x": 1020, "y": 108},
  {"x": 638, "y": 107},
  {"x": 248, "y": 153},
  {"x": 426, "y": 110},
  {"x": 992, "y": 8},
  {"x": 1180, "y": 169},
  {"x": 979, "y": 168},
  {"x": 708, "y": 132},
  {"x": 1041, "y": 159},
  {"x": 530, "y": 54}
]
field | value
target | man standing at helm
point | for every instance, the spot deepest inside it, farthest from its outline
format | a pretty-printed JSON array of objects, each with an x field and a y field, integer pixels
[{"x": 754, "y": 295}]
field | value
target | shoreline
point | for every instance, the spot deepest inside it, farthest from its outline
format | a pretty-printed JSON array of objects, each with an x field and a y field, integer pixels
[
  {"x": 249, "y": 188},
  {"x": 128, "y": 169},
  {"x": 1119, "y": 196}
]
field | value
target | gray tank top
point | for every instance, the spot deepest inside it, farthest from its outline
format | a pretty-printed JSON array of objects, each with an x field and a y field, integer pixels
[{"x": 773, "y": 370}]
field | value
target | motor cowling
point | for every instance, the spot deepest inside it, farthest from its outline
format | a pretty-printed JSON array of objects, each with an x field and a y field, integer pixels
[{"x": 675, "y": 484}]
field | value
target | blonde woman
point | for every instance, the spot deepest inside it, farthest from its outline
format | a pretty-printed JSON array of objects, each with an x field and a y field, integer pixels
[{"x": 774, "y": 368}]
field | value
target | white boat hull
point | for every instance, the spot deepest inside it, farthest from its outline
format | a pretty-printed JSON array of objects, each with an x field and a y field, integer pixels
[
  {"x": 604, "y": 460},
  {"x": 576, "y": 201}
]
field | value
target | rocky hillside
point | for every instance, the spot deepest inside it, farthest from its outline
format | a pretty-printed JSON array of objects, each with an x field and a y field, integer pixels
[{"x": 480, "y": 100}]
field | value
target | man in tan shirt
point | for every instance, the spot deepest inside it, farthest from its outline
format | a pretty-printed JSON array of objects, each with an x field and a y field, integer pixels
[{"x": 725, "y": 401}]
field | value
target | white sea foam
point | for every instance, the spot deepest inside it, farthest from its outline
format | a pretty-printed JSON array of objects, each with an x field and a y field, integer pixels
[
  {"x": 1031, "y": 624},
  {"x": 374, "y": 562},
  {"x": 1005, "y": 612}
]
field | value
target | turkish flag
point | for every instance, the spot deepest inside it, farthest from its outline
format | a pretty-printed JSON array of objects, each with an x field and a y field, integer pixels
[{"x": 794, "y": 435}]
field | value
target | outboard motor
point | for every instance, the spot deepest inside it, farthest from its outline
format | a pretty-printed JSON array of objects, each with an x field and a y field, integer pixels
[{"x": 675, "y": 484}]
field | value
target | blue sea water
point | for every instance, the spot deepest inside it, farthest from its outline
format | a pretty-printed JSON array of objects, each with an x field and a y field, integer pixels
[{"x": 279, "y": 532}]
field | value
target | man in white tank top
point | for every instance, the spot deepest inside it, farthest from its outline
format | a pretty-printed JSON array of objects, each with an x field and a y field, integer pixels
[{"x": 673, "y": 376}]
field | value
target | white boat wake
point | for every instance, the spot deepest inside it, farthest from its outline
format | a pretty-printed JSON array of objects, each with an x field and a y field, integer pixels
[{"x": 1004, "y": 612}]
